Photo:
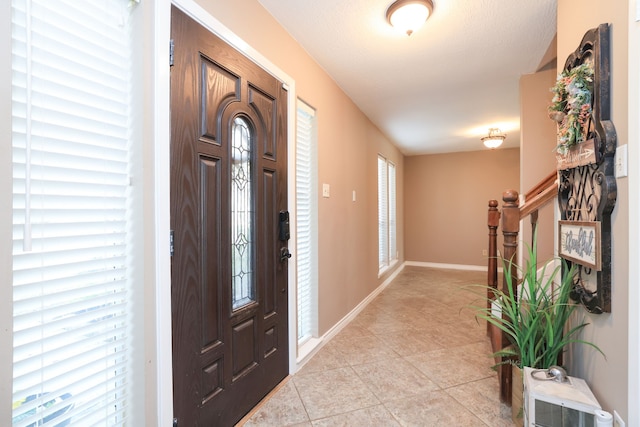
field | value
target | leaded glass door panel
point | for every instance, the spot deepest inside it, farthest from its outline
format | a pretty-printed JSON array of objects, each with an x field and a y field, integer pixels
[{"x": 242, "y": 225}]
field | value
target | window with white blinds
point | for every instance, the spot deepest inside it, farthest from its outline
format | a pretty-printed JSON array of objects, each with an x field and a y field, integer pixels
[
  {"x": 306, "y": 222},
  {"x": 71, "y": 139},
  {"x": 391, "y": 191},
  {"x": 387, "y": 249}
]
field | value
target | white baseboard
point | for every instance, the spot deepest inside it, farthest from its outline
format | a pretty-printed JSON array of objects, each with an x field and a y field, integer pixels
[
  {"x": 311, "y": 347},
  {"x": 446, "y": 266}
]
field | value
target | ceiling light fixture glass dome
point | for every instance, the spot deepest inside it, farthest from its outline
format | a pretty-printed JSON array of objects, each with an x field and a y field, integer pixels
[
  {"x": 494, "y": 139},
  {"x": 409, "y": 15}
]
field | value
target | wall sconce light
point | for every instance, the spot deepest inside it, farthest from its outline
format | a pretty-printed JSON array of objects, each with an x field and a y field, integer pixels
[
  {"x": 409, "y": 15},
  {"x": 494, "y": 139}
]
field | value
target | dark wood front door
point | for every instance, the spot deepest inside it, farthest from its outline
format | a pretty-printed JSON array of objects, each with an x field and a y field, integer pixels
[{"x": 228, "y": 185}]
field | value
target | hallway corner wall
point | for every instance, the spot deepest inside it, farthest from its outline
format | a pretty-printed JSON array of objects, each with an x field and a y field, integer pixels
[{"x": 446, "y": 202}]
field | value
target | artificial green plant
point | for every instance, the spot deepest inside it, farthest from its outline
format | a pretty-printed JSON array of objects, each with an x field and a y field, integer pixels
[{"x": 537, "y": 322}]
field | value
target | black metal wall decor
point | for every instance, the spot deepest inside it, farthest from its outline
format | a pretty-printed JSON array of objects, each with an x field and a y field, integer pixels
[{"x": 587, "y": 187}]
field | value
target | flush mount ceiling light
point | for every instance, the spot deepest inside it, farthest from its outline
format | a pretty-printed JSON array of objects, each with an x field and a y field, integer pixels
[
  {"x": 494, "y": 139},
  {"x": 409, "y": 15}
]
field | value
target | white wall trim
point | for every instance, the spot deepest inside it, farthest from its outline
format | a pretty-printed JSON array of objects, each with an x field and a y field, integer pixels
[
  {"x": 6, "y": 217},
  {"x": 161, "y": 179},
  {"x": 446, "y": 266},
  {"x": 292, "y": 105},
  {"x": 321, "y": 341}
]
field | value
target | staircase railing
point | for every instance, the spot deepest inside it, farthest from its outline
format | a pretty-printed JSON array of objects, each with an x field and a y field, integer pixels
[{"x": 512, "y": 212}]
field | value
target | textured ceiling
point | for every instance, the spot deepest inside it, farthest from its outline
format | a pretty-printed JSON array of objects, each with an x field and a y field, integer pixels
[{"x": 443, "y": 87}]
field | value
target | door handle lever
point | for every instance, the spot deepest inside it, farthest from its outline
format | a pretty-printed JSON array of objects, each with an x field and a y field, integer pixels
[{"x": 284, "y": 254}]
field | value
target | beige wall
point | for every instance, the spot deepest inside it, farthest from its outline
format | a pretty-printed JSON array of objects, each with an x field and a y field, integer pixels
[
  {"x": 607, "y": 378},
  {"x": 537, "y": 131},
  {"x": 538, "y": 139},
  {"x": 348, "y": 146},
  {"x": 445, "y": 212}
]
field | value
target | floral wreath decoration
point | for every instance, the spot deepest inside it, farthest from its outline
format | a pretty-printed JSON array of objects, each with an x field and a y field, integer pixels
[{"x": 571, "y": 105}]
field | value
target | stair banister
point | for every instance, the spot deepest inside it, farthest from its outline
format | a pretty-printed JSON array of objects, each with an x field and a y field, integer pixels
[
  {"x": 511, "y": 214},
  {"x": 492, "y": 262}
]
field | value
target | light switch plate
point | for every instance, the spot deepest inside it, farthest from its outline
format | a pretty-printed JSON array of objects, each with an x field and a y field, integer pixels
[{"x": 326, "y": 190}]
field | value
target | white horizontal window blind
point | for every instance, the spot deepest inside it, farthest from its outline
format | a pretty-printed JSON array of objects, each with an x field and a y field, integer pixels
[
  {"x": 71, "y": 140},
  {"x": 383, "y": 215},
  {"x": 387, "y": 247},
  {"x": 306, "y": 222},
  {"x": 393, "y": 251}
]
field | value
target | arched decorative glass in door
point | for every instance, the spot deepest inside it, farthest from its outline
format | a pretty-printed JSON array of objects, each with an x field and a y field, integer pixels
[{"x": 242, "y": 217}]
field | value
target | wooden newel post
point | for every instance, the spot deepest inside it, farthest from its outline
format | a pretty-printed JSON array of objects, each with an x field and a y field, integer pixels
[
  {"x": 492, "y": 262},
  {"x": 510, "y": 229}
]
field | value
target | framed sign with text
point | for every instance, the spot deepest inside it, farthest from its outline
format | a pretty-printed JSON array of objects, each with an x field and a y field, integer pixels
[{"x": 579, "y": 242}]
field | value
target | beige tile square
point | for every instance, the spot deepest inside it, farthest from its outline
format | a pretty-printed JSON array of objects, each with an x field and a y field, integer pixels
[
  {"x": 434, "y": 408},
  {"x": 352, "y": 330},
  {"x": 454, "y": 366},
  {"x": 370, "y": 317},
  {"x": 411, "y": 341},
  {"x": 366, "y": 349},
  {"x": 333, "y": 392},
  {"x": 482, "y": 398},
  {"x": 283, "y": 409},
  {"x": 329, "y": 357},
  {"x": 394, "y": 379},
  {"x": 377, "y": 416}
]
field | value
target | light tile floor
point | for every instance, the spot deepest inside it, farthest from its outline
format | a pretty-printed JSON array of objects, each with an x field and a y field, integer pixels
[{"x": 415, "y": 356}]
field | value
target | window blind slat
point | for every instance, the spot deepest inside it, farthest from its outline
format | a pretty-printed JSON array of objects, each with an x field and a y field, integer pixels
[
  {"x": 83, "y": 381},
  {"x": 76, "y": 162},
  {"x": 54, "y": 269},
  {"x": 59, "y": 367},
  {"x": 67, "y": 316},
  {"x": 80, "y": 286},
  {"x": 59, "y": 236}
]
